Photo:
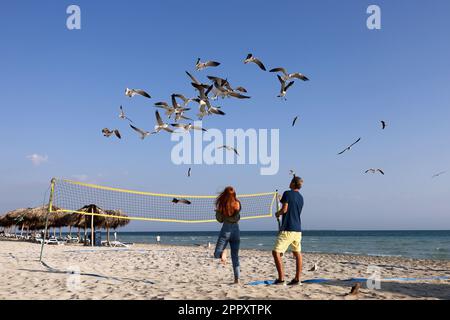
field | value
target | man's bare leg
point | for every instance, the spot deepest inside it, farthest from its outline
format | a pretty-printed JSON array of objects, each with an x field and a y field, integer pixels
[
  {"x": 279, "y": 265},
  {"x": 298, "y": 265}
]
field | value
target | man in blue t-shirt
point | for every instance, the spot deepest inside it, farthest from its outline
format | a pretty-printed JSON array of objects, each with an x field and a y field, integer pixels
[{"x": 290, "y": 231}]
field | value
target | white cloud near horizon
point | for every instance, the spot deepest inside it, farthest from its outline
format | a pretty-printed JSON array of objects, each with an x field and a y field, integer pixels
[{"x": 37, "y": 159}]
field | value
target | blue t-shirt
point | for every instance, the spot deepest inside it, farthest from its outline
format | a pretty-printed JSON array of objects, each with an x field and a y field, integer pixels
[{"x": 291, "y": 220}]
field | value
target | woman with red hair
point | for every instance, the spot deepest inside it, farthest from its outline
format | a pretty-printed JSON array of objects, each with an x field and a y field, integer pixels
[{"x": 227, "y": 212}]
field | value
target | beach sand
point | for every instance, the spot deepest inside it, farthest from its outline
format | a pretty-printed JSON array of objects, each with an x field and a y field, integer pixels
[{"x": 175, "y": 272}]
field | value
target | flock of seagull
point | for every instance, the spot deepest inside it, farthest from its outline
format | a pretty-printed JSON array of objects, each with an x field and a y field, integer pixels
[{"x": 207, "y": 93}]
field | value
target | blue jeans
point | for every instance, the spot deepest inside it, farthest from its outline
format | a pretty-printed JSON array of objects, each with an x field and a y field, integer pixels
[{"x": 229, "y": 233}]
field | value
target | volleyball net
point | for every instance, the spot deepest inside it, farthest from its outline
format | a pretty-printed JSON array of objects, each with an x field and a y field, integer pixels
[{"x": 73, "y": 197}]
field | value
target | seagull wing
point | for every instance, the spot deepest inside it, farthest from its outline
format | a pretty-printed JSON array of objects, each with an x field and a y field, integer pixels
[
  {"x": 208, "y": 91},
  {"x": 193, "y": 78},
  {"x": 142, "y": 132},
  {"x": 241, "y": 89},
  {"x": 295, "y": 120},
  {"x": 281, "y": 81},
  {"x": 142, "y": 93},
  {"x": 381, "y": 171},
  {"x": 289, "y": 85},
  {"x": 212, "y": 64},
  {"x": 298, "y": 75},
  {"x": 279, "y": 70},
  {"x": 260, "y": 64},
  {"x": 355, "y": 142},
  {"x": 158, "y": 118},
  {"x": 249, "y": 56},
  {"x": 117, "y": 133},
  {"x": 198, "y": 128},
  {"x": 238, "y": 95}
]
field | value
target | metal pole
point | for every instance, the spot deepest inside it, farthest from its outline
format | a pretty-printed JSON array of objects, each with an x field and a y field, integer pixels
[
  {"x": 278, "y": 209},
  {"x": 50, "y": 208},
  {"x": 92, "y": 227}
]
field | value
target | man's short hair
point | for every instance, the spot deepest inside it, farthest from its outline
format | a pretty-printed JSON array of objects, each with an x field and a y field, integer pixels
[{"x": 296, "y": 182}]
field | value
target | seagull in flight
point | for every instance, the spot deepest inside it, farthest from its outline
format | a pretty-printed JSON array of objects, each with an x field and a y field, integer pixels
[
  {"x": 188, "y": 126},
  {"x": 251, "y": 58},
  {"x": 144, "y": 134},
  {"x": 284, "y": 87},
  {"x": 184, "y": 201},
  {"x": 229, "y": 149},
  {"x": 123, "y": 116},
  {"x": 203, "y": 65},
  {"x": 289, "y": 76},
  {"x": 439, "y": 174},
  {"x": 375, "y": 171},
  {"x": 295, "y": 120},
  {"x": 160, "y": 124},
  {"x": 183, "y": 98},
  {"x": 349, "y": 147},
  {"x": 383, "y": 124},
  {"x": 132, "y": 92},
  {"x": 107, "y": 133}
]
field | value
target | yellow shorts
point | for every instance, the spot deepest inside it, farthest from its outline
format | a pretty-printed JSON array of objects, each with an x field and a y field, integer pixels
[{"x": 286, "y": 239}]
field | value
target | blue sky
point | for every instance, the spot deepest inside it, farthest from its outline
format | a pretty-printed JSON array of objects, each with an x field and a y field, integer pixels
[{"x": 59, "y": 88}]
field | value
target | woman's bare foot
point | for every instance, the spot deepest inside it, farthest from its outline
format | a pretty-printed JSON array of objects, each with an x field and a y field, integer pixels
[{"x": 223, "y": 257}]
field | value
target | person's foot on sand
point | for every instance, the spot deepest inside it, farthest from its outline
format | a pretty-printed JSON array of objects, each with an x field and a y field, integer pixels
[
  {"x": 223, "y": 257},
  {"x": 294, "y": 282},
  {"x": 355, "y": 289},
  {"x": 236, "y": 281}
]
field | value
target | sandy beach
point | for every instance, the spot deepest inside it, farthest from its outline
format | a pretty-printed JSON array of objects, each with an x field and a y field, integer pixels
[{"x": 176, "y": 272}]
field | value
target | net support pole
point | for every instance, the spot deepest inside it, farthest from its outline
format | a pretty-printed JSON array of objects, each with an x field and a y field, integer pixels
[
  {"x": 50, "y": 208},
  {"x": 278, "y": 209},
  {"x": 92, "y": 227}
]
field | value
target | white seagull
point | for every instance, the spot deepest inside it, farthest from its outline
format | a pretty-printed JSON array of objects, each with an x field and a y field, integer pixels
[
  {"x": 284, "y": 87},
  {"x": 107, "y": 133},
  {"x": 188, "y": 127},
  {"x": 289, "y": 76},
  {"x": 251, "y": 58},
  {"x": 160, "y": 124},
  {"x": 229, "y": 149},
  {"x": 439, "y": 174},
  {"x": 144, "y": 134},
  {"x": 349, "y": 147},
  {"x": 375, "y": 171},
  {"x": 123, "y": 116},
  {"x": 203, "y": 65},
  {"x": 132, "y": 92}
]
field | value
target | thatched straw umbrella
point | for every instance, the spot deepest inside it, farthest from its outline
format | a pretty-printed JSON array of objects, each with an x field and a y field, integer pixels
[
  {"x": 113, "y": 222},
  {"x": 4, "y": 223},
  {"x": 89, "y": 221},
  {"x": 16, "y": 217},
  {"x": 36, "y": 217}
]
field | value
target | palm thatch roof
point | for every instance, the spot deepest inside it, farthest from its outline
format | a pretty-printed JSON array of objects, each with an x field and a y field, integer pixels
[
  {"x": 115, "y": 220},
  {"x": 84, "y": 220},
  {"x": 16, "y": 216}
]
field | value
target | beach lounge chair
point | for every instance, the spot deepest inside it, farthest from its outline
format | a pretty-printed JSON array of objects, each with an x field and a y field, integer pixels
[{"x": 118, "y": 244}]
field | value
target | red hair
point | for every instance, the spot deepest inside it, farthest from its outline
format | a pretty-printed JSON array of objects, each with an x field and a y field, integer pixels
[{"x": 226, "y": 202}]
